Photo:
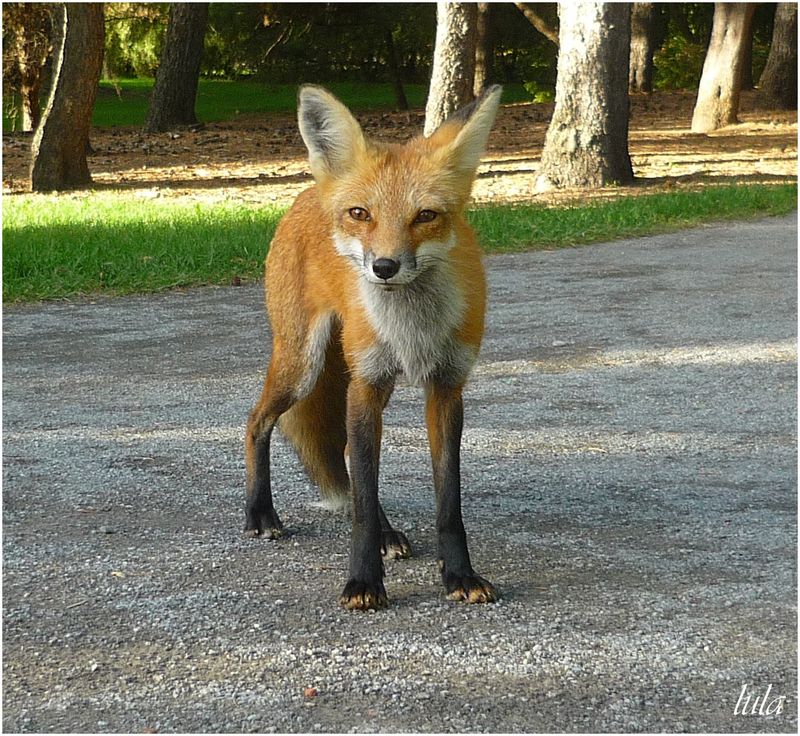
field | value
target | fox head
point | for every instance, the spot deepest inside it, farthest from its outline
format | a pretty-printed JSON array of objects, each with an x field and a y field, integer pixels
[{"x": 393, "y": 207}]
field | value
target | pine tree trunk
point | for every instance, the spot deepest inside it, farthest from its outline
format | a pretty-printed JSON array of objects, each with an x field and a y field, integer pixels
[
  {"x": 643, "y": 35},
  {"x": 27, "y": 28},
  {"x": 453, "y": 73},
  {"x": 175, "y": 90},
  {"x": 31, "y": 108},
  {"x": 587, "y": 141},
  {"x": 394, "y": 70},
  {"x": 30, "y": 73},
  {"x": 720, "y": 84},
  {"x": 484, "y": 49},
  {"x": 747, "y": 61},
  {"x": 778, "y": 83},
  {"x": 60, "y": 142},
  {"x": 538, "y": 21}
]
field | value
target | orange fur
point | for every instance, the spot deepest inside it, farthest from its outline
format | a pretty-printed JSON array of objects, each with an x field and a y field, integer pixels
[{"x": 311, "y": 285}]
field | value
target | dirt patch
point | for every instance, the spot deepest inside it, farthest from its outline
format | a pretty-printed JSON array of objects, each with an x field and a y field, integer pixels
[{"x": 261, "y": 158}]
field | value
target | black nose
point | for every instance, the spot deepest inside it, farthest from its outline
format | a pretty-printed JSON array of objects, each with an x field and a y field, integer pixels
[{"x": 385, "y": 268}]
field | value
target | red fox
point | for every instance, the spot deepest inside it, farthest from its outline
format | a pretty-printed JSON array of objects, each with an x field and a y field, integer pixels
[{"x": 373, "y": 272}]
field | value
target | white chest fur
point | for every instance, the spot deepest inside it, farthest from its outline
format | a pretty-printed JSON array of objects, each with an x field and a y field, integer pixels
[{"x": 415, "y": 325}]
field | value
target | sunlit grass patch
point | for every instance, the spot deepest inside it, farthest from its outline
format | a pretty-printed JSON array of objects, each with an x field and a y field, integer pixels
[{"x": 57, "y": 246}]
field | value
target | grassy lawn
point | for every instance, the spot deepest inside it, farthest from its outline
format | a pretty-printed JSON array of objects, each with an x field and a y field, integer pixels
[
  {"x": 69, "y": 245},
  {"x": 223, "y": 100},
  {"x": 57, "y": 246},
  {"x": 125, "y": 101},
  {"x": 510, "y": 229}
]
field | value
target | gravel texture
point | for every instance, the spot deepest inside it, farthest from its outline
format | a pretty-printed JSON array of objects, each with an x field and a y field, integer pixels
[{"x": 629, "y": 468}]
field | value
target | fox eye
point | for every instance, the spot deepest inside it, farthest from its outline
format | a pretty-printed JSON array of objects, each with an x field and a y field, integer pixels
[
  {"x": 426, "y": 216},
  {"x": 360, "y": 214}
]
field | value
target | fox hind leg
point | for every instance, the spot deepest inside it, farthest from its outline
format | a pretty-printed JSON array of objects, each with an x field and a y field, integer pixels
[
  {"x": 394, "y": 544},
  {"x": 295, "y": 371},
  {"x": 316, "y": 427},
  {"x": 261, "y": 519}
]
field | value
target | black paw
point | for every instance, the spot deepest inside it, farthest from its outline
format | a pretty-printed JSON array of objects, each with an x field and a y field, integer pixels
[
  {"x": 395, "y": 545},
  {"x": 360, "y": 596},
  {"x": 471, "y": 588},
  {"x": 263, "y": 525}
]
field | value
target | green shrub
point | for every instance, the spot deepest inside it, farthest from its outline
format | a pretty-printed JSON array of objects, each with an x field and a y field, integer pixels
[
  {"x": 538, "y": 92},
  {"x": 678, "y": 64},
  {"x": 134, "y": 36}
]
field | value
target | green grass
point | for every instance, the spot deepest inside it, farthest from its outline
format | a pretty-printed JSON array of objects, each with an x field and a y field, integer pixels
[
  {"x": 57, "y": 246},
  {"x": 125, "y": 101},
  {"x": 60, "y": 246},
  {"x": 223, "y": 100},
  {"x": 518, "y": 228}
]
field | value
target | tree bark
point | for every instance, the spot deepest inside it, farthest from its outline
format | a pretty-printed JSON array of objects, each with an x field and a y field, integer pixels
[
  {"x": 539, "y": 22},
  {"x": 587, "y": 141},
  {"x": 394, "y": 70},
  {"x": 453, "y": 73},
  {"x": 484, "y": 50},
  {"x": 747, "y": 61},
  {"x": 29, "y": 64},
  {"x": 778, "y": 83},
  {"x": 27, "y": 30},
  {"x": 61, "y": 141},
  {"x": 643, "y": 46},
  {"x": 720, "y": 84},
  {"x": 175, "y": 90}
]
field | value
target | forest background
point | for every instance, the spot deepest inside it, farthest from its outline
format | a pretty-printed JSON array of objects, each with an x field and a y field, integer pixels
[{"x": 204, "y": 192}]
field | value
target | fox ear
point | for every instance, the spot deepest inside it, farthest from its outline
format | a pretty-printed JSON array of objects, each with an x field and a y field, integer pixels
[
  {"x": 475, "y": 120},
  {"x": 332, "y": 135}
]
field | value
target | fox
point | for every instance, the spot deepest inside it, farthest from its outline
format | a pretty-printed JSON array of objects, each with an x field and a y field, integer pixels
[{"x": 373, "y": 272}]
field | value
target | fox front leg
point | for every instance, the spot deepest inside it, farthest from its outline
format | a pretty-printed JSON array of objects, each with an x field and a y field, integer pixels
[
  {"x": 364, "y": 589},
  {"x": 445, "y": 420}
]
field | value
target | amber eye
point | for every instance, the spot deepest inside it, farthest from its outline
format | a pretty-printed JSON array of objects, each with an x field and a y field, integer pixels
[
  {"x": 359, "y": 213},
  {"x": 426, "y": 216}
]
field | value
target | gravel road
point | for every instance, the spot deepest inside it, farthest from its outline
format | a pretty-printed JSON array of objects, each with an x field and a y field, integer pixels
[{"x": 629, "y": 468}]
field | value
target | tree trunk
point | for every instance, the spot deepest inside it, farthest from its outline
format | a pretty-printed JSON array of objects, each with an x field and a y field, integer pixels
[
  {"x": 175, "y": 90},
  {"x": 720, "y": 84},
  {"x": 29, "y": 65},
  {"x": 677, "y": 14},
  {"x": 778, "y": 83},
  {"x": 31, "y": 108},
  {"x": 587, "y": 141},
  {"x": 538, "y": 21},
  {"x": 484, "y": 50},
  {"x": 453, "y": 73},
  {"x": 61, "y": 141},
  {"x": 747, "y": 61},
  {"x": 643, "y": 46},
  {"x": 27, "y": 29},
  {"x": 394, "y": 70}
]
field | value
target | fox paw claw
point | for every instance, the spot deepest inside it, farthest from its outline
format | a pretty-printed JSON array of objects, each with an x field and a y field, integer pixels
[
  {"x": 470, "y": 588},
  {"x": 360, "y": 596},
  {"x": 263, "y": 526},
  {"x": 395, "y": 545}
]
